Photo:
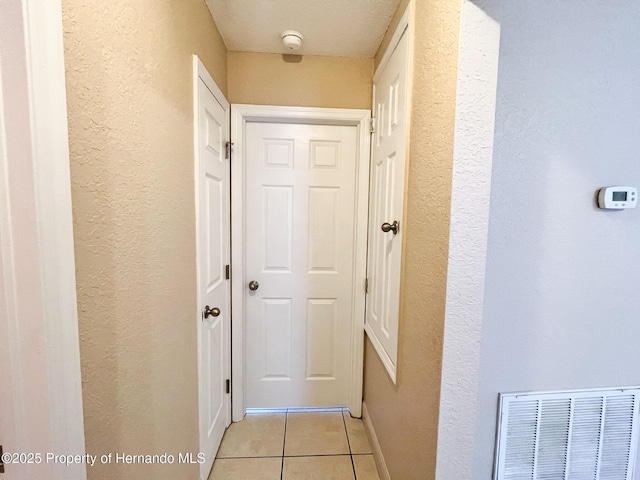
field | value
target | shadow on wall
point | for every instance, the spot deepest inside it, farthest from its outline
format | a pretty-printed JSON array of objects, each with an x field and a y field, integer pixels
[
  {"x": 289, "y": 58},
  {"x": 490, "y": 7}
]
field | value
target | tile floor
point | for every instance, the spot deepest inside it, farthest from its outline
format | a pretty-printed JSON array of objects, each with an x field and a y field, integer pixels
[{"x": 295, "y": 446}]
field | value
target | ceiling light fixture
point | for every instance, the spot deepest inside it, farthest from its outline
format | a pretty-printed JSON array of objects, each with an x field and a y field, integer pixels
[{"x": 292, "y": 40}]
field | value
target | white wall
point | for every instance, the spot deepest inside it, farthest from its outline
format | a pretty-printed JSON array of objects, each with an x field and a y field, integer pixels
[
  {"x": 562, "y": 291},
  {"x": 470, "y": 193}
]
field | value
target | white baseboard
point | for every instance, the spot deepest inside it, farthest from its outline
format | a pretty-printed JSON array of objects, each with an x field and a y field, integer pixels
[{"x": 383, "y": 473}]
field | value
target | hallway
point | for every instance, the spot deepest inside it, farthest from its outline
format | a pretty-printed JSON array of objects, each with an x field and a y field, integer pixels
[{"x": 292, "y": 445}]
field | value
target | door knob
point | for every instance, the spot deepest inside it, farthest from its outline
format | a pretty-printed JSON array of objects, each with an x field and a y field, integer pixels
[
  {"x": 391, "y": 227},
  {"x": 253, "y": 285},
  {"x": 214, "y": 312}
]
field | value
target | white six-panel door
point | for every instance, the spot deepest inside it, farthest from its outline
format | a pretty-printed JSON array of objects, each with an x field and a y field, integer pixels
[
  {"x": 300, "y": 204},
  {"x": 214, "y": 330},
  {"x": 386, "y": 205}
]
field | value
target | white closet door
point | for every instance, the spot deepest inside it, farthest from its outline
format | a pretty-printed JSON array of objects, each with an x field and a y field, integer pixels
[
  {"x": 386, "y": 205},
  {"x": 214, "y": 330}
]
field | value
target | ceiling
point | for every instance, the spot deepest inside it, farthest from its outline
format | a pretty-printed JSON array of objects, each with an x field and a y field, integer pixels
[{"x": 349, "y": 28}]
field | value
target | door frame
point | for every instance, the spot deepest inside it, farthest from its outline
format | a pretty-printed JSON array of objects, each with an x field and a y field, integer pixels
[
  {"x": 37, "y": 260},
  {"x": 200, "y": 73},
  {"x": 240, "y": 115}
]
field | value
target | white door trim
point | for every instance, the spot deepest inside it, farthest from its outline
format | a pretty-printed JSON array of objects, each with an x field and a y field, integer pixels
[
  {"x": 200, "y": 71},
  {"x": 240, "y": 115},
  {"x": 39, "y": 282}
]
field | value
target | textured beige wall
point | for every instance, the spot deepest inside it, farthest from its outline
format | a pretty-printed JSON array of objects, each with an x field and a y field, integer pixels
[
  {"x": 405, "y": 416},
  {"x": 129, "y": 88},
  {"x": 307, "y": 81}
]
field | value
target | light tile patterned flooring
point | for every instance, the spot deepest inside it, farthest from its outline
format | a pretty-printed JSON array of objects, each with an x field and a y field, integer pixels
[{"x": 295, "y": 446}]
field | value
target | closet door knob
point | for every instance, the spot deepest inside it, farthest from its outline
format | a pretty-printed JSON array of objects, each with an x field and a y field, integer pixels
[
  {"x": 213, "y": 312},
  {"x": 391, "y": 227},
  {"x": 253, "y": 285}
]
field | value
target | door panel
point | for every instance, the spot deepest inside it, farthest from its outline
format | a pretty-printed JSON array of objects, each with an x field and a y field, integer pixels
[
  {"x": 300, "y": 231},
  {"x": 323, "y": 222},
  {"x": 214, "y": 332},
  {"x": 321, "y": 338},
  {"x": 386, "y": 205},
  {"x": 275, "y": 333},
  {"x": 277, "y": 215}
]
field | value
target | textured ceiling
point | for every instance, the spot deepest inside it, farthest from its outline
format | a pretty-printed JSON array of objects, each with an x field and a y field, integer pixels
[{"x": 350, "y": 28}]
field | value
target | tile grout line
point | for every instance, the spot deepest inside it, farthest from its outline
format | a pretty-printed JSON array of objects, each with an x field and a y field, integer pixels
[
  {"x": 306, "y": 455},
  {"x": 251, "y": 456},
  {"x": 284, "y": 443},
  {"x": 302, "y": 455},
  {"x": 346, "y": 432}
]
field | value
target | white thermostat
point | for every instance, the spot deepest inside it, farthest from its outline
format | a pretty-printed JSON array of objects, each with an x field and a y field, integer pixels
[{"x": 617, "y": 198}]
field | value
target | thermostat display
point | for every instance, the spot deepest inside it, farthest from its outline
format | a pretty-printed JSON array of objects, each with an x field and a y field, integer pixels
[{"x": 617, "y": 198}]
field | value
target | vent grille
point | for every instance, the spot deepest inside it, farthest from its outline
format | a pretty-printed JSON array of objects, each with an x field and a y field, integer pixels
[{"x": 581, "y": 435}]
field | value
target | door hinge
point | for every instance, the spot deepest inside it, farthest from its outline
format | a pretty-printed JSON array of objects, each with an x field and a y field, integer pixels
[
  {"x": 228, "y": 386},
  {"x": 227, "y": 272},
  {"x": 366, "y": 285},
  {"x": 227, "y": 152},
  {"x": 1, "y": 462},
  {"x": 373, "y": 124}
]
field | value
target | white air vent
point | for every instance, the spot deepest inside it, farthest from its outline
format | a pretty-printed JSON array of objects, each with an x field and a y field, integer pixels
[{"x": 581, "y": 435}]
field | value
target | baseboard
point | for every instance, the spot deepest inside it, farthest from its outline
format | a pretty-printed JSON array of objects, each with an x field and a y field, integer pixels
[{"x": 383, "y": 473}]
